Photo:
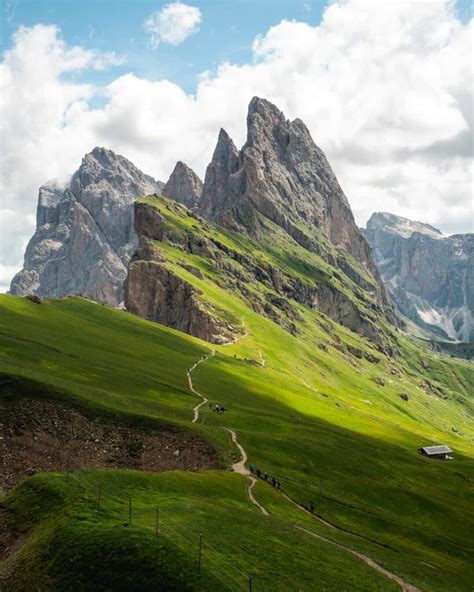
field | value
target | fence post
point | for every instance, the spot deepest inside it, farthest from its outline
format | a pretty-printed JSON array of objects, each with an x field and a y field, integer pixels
[{"x": 200, "y": 552}]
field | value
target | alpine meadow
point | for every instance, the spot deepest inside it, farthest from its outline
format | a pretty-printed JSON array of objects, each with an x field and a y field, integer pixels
[{"x": 224, "y": 383}]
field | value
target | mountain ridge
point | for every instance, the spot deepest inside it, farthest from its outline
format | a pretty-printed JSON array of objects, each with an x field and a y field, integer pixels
[{"x": 429, "y": 276}]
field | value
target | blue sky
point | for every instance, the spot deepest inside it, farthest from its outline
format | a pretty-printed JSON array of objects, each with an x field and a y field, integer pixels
[{"x": 226, "y": 33}]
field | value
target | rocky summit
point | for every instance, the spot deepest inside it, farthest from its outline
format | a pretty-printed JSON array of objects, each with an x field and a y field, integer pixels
[
  {"x": 184, "y": 186},
  {"x": 281, "y": 174},
  {"x": 429, "y": 276},
  {"x": 84, "y": 232},
  {"x": 270, "y": 224}
]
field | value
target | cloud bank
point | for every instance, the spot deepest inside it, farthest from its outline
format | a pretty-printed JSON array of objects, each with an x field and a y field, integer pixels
[{"x": 387, "y": 95}]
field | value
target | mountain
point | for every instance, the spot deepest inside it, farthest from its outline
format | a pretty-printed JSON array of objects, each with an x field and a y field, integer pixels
[
  {"x": 271, "y": 224},
  {"x": 84, "y": 232},
  {"x": 429, "y": 276},
  {"x": 282, "y": 175},
  {"x": 116, "y": 472}
]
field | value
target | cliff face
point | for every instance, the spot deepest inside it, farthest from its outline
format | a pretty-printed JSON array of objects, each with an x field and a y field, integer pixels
[
  {"x": 84, "y": 236},
  {"x": 429, "y": 276},
  {"x": 155, "y": 292}
]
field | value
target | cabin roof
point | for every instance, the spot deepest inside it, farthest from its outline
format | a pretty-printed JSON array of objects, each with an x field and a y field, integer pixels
[{"x": 443, "y": 449}]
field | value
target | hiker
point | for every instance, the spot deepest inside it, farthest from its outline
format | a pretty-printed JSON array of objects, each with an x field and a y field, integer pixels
[
  {"x": 311, "y": 507},
  {"x": 251, "y": 468},
  {"x": 216, "y": 409},
  {"x": 258, "y": 473},
  {"x": 278, "y": 486},
  {"x": 222, "y": 410},
  {"x": 274, "y": 482},
  {"x": 210, "y": 405},
  {"x": 265, "y": 477}
]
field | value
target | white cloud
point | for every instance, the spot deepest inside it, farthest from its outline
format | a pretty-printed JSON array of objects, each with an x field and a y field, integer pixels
[
  {"x": 173, "y": 23},
  {"x": 385, "y": 93}
]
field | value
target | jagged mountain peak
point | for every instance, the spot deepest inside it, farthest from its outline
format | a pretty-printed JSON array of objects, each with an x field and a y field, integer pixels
[
  {"x": 184, "y": 186},
  {"x": 282, "y": 175}
]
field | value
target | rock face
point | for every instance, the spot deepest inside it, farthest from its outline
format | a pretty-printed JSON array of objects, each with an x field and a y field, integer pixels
[
  {"x": 184, "y": 186},
  {"x": 156, "y": 293},
  {"x": 84, "y": 236},
  {"x": 281, "y": 174},
  {"x": 429, "y": 276}
]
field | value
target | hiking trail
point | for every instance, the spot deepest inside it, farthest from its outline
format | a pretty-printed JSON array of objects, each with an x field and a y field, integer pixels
[
  {"x": 193, "y": 390},
  {"x": 239, "y": 467}
]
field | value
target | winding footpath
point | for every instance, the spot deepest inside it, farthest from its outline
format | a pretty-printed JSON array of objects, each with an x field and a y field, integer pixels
[
  {"x": 239, "y": 468},
  {"x": 193, "y": 390}
]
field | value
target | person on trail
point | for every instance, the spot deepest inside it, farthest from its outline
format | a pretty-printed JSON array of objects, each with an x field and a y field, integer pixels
[
  {"x": 311, "y": 507},
  {"x": 210, "y": 405},
  {"x": 259, "y": 474},
  {"x": 222, "y": 409},
  {"x": 278, "y": 486},
  {"x": 265, "y": 477},
  {"x": 274, "y": 482},
  {"x": 216, "y": 408},
  {"x": 251, "y": 468}
]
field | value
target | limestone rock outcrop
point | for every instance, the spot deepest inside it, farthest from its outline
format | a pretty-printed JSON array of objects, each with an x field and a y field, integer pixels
[
  {"x": 84, "y": 235},
  {"x": 184, "y": 186},
  {"x": 281, "y": 174}
]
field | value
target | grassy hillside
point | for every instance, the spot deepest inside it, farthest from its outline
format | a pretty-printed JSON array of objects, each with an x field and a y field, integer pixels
[{"x": 319, "y": 408}]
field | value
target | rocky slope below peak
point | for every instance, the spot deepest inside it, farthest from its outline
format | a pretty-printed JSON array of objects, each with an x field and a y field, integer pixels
[
  {"x": 182, "y": 258},
  {"x": 84, "y": 236},
  {"x": 430, "y": 277}
]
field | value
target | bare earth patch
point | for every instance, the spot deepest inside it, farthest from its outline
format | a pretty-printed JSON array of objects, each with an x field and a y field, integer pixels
[{"x": 40, "y": 435}]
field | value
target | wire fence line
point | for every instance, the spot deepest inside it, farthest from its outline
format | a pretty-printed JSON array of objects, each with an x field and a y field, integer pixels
[{"x": 155, "y": 517}]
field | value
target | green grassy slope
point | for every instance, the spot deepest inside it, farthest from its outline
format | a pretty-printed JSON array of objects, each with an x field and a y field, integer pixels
[{"x": 332, "y": 427}]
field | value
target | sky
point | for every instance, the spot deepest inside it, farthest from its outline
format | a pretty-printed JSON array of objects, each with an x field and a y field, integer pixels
[{"x": 386, "y": 89}]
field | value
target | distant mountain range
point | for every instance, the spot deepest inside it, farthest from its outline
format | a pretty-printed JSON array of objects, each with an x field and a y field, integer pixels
[
  {"x": 279, "y": 187},
  {"x": 429, "y": 276}
]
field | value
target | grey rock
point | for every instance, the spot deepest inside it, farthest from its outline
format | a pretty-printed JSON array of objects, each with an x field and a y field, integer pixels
[
  {"x": 84, "y": 236},
  {"x": 184, "y": 186},
  {"x": 429, "y": 276},
  {"x": 281, "y": 174}
]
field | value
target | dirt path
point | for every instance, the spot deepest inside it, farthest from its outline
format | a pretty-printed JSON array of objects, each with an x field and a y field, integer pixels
[
  {"x": 405, "y": 586},
  {"x": 239, "y": 467},
  {"x": 193, "y": 390}
]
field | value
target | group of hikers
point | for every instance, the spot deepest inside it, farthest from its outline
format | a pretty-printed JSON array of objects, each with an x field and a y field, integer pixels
[
  {"x": 255, "y": 471},
  {"x": 217, "y": 408}
]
